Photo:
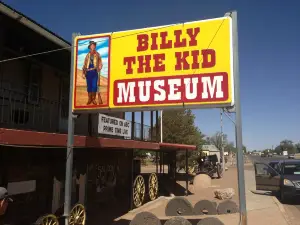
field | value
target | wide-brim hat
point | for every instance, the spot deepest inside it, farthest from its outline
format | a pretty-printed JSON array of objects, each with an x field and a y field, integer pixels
[{"x": 92, "y": 43}]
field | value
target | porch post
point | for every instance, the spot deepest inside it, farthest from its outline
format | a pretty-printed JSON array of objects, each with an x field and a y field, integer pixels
[
  {"x": 163, "y": 162},
  {"x": 186, "y": 173},
  {"x": 90, "y": 124},
  {"x": 56, "y": 194},
  {"x": 157, "y": 126},
  {"x": 151, "y": 125},
  {"x": 156, "y": 161},
  {"x": 142, "y": 126},
  {"x": 174, "y": 169},
  {"x": 132, "y": 177},
  {"x": 82, "y": 187},
  {"x": 132, "y": 125},
  {"x": 160, "y": 162}
]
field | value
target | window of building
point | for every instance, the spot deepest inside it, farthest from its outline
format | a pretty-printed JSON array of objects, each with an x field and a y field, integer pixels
[{"x": 34, "y": 91}]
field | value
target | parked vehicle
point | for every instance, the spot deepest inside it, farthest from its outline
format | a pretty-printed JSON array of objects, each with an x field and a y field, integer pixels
[
  {"x": 210, "y": 165},
  {"x": 274, "y": 164},
  {"x": 291, "y": 156},
  {"x": 269, "y": 154},
  {"x": 263, "y": 154},
  {"x": 283, "y": 179}
]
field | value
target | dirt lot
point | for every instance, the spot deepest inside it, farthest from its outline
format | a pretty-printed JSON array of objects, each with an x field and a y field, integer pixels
[{"x": 158, "y": 208}]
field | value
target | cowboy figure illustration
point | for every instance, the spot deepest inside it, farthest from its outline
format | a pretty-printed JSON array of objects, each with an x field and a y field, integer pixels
[{"x": 91, "y": 70}]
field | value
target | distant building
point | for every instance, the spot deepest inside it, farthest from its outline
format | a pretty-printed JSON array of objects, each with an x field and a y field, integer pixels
[{"x": 211, "y": 150}]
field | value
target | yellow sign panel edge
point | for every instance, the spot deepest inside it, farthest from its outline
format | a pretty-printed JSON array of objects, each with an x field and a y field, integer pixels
[
  {"x": 149, "y": 28},
  {"x": 228, "y": 103}
]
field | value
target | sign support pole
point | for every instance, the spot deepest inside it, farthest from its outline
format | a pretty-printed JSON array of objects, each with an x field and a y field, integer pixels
[
  {"x": 70, "y": 142},
  {"x": 222, "y": 140},
  {"x": 161, "y": 126},
  {"x": 238, "y": 122}
]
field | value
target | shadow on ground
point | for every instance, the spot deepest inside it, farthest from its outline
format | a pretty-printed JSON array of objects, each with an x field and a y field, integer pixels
[
  {"x": 127, "y": 222},
  {"x": 290, "y": 201}
]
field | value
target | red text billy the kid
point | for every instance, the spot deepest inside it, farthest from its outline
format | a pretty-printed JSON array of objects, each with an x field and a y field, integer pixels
[{"x": 194, "y": 87}]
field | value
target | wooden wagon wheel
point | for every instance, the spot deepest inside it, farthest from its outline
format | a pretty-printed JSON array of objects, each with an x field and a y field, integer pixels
[
  {"x": 153, "y": 186},
  {"x": 77, "y": 215},
  {"x": 49, "y": 219},
  {"x": 138, "y": 191}
]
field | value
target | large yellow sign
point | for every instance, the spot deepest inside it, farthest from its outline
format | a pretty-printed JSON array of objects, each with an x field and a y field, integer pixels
[{"x": 177, "y": 65}]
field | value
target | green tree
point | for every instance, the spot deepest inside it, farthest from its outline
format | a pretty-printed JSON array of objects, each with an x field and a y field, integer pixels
[
  {"x": 230, "y": 147},
  {"x": 286, "y": 145},
  {"x": 297, "y": 147},
  {"x": 179, "y": 127},
  {"x": 244, "y": 149}
]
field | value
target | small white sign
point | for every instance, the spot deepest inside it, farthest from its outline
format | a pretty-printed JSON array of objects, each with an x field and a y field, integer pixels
[
  {"x": 21, "y": 187},
  {"x": 114, "y": 126}
]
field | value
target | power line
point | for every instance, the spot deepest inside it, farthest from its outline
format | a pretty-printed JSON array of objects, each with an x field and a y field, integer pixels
[
  {"x": 212, "y": 41},
  {"x": 61, "y": 49},
  {"x": 136, "y": 33},
  {"x": 217, "y": 31}
]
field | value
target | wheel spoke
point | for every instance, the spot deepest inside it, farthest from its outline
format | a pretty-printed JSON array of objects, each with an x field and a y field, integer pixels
[
  {"x": 138, "y": 191},
  {"x": 78, "y": 215},
  {"x": 153, "y": 186}
]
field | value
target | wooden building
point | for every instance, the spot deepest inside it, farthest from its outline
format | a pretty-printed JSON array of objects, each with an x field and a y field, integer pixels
[{"x": 34, "y": 93}]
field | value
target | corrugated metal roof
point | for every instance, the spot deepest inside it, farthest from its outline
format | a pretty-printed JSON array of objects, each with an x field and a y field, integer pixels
[
  {"x": 211, "y": 148},
  {"x": 21, "y": 18}
]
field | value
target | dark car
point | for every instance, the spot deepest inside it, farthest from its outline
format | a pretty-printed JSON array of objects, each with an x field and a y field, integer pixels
[
  {"x": 263, "y": 154},
  {"x": 274, "y": 164},
  {"x": 283, "y": 179},
  {"x": 291, "y": 156}
]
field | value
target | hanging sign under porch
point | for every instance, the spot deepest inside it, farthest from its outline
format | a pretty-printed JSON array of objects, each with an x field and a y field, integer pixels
[{"x": 114, "y": 126}]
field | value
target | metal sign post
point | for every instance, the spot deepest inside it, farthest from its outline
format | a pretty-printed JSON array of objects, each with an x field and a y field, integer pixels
[
  {"x": 238, "y": 122},
  {"x": 69, "y": 159},
  {"x": 222, "y": 140},
  {"x": 161, "y": 126}
]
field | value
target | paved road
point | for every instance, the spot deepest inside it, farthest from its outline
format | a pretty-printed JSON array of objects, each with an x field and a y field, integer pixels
[
  {"x": 292, "y": 208},
  {"x": 267, "y": 159}
]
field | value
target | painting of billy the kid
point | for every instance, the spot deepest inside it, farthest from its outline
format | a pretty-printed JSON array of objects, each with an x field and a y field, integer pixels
[{"x": 92, "y": 72}]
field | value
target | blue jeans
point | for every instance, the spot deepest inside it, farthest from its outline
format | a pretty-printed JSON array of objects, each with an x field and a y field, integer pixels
[{"x": 92, "y": 81}]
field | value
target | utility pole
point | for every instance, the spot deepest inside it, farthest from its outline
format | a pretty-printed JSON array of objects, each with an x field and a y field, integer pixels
[{"x": 222, "y": 140}]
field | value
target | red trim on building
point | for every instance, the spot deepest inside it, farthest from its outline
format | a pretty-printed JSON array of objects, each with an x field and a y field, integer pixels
[
  {"x": 172, "y": 146},
  {"x": 32, "y": 138}
]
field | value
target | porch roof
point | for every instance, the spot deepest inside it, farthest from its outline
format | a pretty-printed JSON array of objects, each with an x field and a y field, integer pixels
[
  {"x": 23, "y": 138},
  {"x": 178, "y": 147}
]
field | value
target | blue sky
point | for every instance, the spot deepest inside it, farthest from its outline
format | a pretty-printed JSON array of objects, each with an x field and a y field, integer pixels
[
  {"x": 269, "y": 52},
  {"x": 102, "y": 47}
]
